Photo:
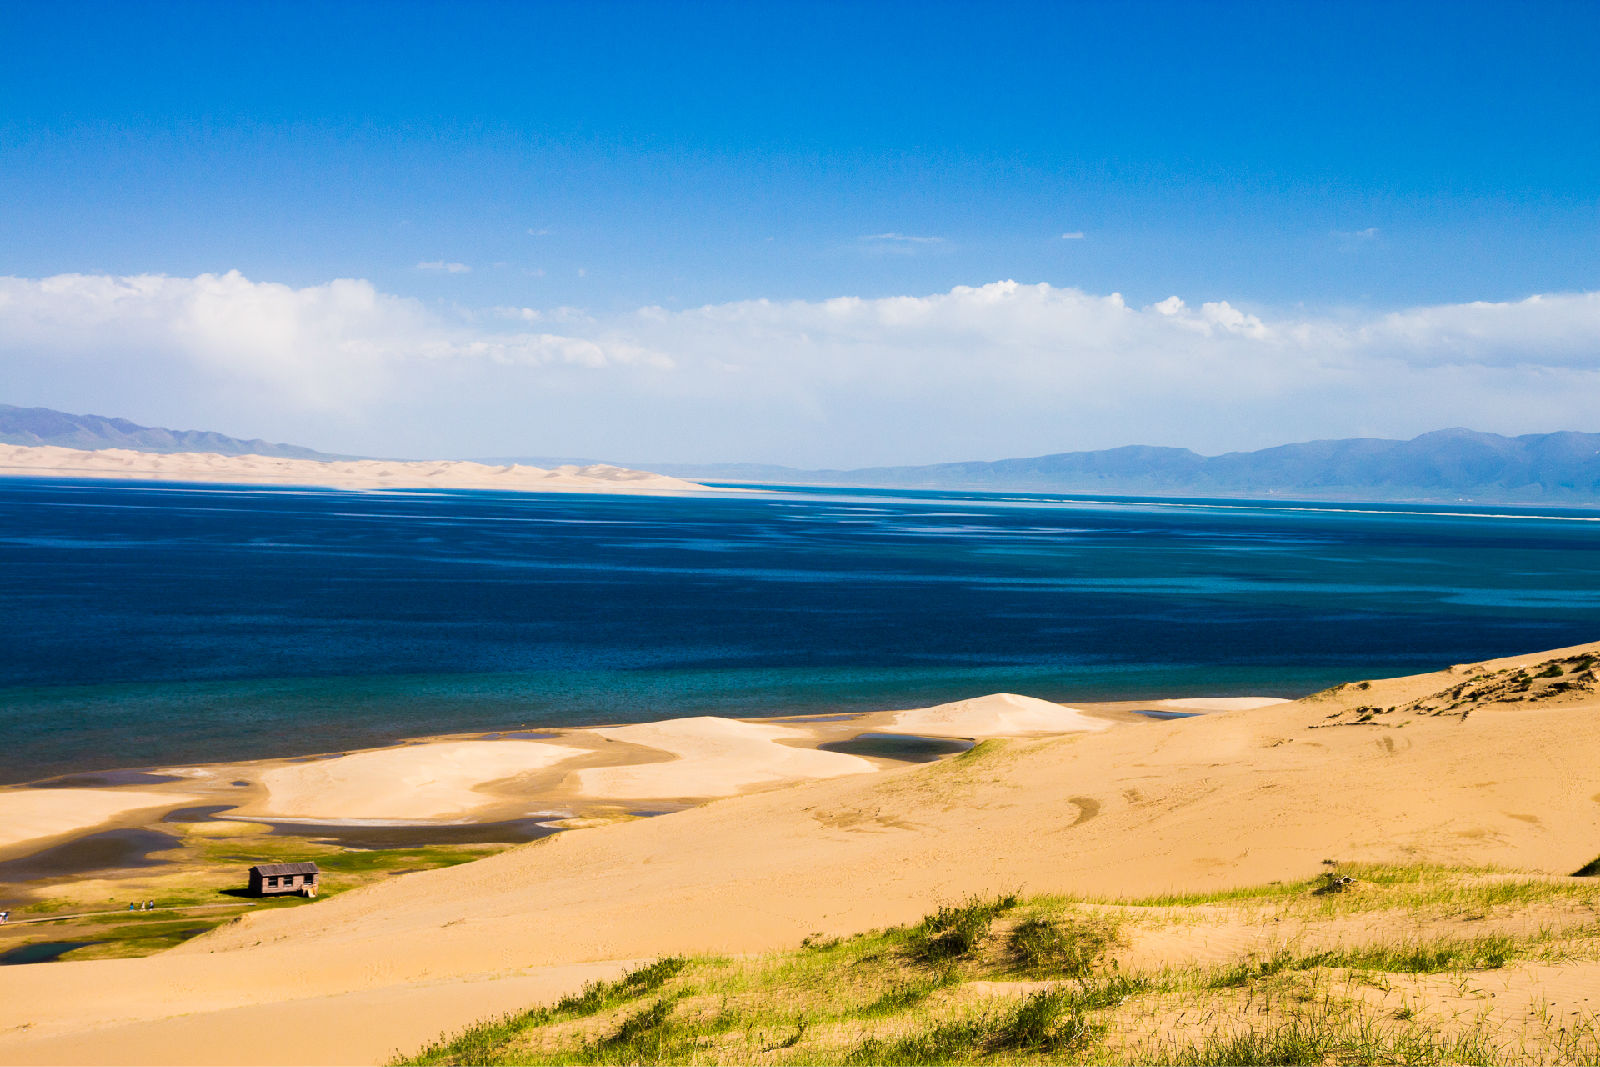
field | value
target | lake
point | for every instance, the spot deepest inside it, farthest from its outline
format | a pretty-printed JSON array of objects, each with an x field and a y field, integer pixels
[{"x": 159, "y": 623}]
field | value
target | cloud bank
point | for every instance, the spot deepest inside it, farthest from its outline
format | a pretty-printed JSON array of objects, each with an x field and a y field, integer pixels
[{"x": 978, "y": 372}]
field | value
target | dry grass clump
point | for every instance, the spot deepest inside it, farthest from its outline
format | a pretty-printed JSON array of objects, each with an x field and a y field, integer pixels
[{"x": 1547, "y": 680}]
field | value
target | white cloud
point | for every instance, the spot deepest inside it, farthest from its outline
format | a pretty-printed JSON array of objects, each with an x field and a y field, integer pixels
[
  {"x": 327, "y": 346},
  {"x": 447, "y": 268},
  {"x": 975, "y": 372},
  {"x": 902, "y": 238},
  {"x": 901, "y": 244},
  {"x": 1354, "y": 240},
  {"x": 542, "y": 231},
  {"x": 1072, "y": 235}
]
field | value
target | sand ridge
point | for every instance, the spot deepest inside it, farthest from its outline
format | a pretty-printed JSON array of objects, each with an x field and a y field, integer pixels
[
  {"x": 995, "y": 715},
  {"x": 36, "y": 460}
]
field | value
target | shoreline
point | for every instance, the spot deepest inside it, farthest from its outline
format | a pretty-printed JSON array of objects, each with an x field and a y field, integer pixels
[
  {"x": 511, "y": 705},
  {"x": 584, "y": 773},
  {"x": 212, "y": 468}
]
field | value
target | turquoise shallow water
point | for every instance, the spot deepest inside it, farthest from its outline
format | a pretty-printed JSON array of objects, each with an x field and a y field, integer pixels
[{"x": 159, "y": 623}]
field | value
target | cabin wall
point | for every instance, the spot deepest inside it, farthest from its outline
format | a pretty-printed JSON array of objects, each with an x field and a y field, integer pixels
[{"x": 278, "y": 884}]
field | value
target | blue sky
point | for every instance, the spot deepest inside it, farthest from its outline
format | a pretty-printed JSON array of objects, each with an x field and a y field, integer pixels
[{"x": 1315, "y": 165}]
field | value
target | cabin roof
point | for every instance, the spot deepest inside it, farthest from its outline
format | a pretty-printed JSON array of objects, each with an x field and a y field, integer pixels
[{"x": 284, "y": 868}]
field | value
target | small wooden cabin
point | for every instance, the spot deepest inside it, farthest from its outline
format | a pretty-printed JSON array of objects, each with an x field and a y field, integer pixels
[{"x": 271, "y": 879}]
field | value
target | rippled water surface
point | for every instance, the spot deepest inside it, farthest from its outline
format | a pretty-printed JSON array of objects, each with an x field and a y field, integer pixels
[{"x": 159, "y": 623}]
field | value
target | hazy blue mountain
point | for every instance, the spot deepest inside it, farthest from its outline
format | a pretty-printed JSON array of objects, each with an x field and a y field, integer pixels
[
  {"x": 43, "y": 426},
  {"x": 1444, "y": 466}
]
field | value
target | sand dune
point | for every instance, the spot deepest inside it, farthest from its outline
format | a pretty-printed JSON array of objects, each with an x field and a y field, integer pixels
[
  {"x": 427, "y": 781},
  {"x": 25, "y": 461},
  {"x": 1460, "y": 766},
  {"x": 715, "y": 758},
  {"x": 996, "y": 715},
  {"x": 36, "y": 814}
]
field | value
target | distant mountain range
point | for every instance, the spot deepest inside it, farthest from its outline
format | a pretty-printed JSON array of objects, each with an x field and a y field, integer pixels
[
  {"x": 1442, "y": 467},
  {"x": 1447, "y": 466},
  {"x": 44, "y": 426}
]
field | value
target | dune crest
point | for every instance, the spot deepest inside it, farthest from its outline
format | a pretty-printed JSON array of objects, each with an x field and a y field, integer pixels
[{"x": 996, "y": 715}]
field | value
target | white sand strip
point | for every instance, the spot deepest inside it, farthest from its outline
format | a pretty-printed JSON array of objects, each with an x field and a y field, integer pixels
[
  {"x": 996, "y": 715},
  {"x": 35, "y": 814},
  {"x": 429, "y": 781},
  {"x": 32, "y": 461},
  {"x": 1220, "y": 703},
  {"x": 716, "y": 758}
]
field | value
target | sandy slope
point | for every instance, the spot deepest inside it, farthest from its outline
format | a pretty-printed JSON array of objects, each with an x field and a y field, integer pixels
[
  {"x": 25, "y": 461},
  {"x": 1229, "y": 798}
]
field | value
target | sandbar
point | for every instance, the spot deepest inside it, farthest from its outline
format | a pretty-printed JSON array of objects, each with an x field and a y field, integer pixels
[
  {"x": 36, "y": 814},
  {"x": 425, "y": 781},
  {"x": 1220, "y": 703},
  {"x": 715, "y": 758}
]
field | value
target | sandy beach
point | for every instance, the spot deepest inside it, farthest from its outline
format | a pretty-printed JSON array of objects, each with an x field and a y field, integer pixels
[
  {"x": 29, "y": 815},
  {"x": 463, "y": 779},
  {"x": 22, "y": 461},
  {"x": 1458, "y": 766}
]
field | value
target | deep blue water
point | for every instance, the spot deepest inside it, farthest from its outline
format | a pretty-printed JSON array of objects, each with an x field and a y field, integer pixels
[{"x": 154, "y": 623}]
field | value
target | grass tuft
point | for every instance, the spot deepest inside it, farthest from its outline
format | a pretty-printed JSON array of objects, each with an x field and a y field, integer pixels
[
  {"x": 1043, "y": 948},
  {"x": 644, "y": 1037},
  {"x": 956, "y": 930}
]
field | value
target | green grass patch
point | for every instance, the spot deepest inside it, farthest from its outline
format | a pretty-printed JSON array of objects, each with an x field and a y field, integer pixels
[
  {"x": 1420, "y": 889},
  {"x": 1042, "y": 947},
  {"x": 1409, "y": 956},
  {"x": 956, "y": 930},
  {"x": 1046, "y": 1023},
  {"x": 1320, "y": 1039}
]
